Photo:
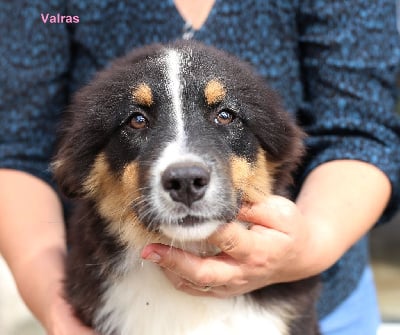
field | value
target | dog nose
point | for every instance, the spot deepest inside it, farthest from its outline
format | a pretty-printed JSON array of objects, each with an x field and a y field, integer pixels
[{"x": 186, "y": 182}]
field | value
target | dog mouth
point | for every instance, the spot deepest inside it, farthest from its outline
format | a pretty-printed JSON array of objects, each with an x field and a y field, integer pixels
[
  {"x": 180, "y": 223},
  {"x": 190, "y": 228},
  {"x": 190, "y": 221}
]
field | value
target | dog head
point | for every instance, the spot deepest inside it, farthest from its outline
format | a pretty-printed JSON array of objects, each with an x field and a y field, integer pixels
[{"x": 171, "y": 140}]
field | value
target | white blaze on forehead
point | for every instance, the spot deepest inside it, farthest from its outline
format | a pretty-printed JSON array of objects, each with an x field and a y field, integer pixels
[
  {"x": 175, "y": 90},
  {"x": 167, "y": 212},
  {"x": 175, "y": 150}
]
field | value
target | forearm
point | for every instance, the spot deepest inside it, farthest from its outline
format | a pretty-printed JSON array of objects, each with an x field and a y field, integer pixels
[
  {"x": 32, "y": 237},
  {"x": 341, "y": 201}
]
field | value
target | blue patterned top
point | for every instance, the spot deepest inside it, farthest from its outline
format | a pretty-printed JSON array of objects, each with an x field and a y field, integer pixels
[{"x": 333, "y": 62}]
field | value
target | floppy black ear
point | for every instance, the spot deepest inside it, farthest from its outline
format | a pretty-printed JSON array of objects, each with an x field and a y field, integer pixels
[
  {"x": 84, "y": 130},
  {"x": 280, "y": 137},
  {"x": 77, "y": 149},
  {"x": 69, "y": 183},
  {"x": 292, "y": 153}
]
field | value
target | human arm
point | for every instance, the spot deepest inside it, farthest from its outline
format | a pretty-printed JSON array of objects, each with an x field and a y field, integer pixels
[{"x": 32, "y": 240}]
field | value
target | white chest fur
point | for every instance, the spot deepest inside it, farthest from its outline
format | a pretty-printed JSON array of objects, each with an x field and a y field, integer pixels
[{"x": 144, "y": 302}]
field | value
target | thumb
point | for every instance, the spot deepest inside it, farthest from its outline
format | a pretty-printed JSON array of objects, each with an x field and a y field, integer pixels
[{"x": 274, "y": 212}]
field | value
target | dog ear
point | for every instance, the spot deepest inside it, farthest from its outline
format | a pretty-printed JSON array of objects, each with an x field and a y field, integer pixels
[
  {"x": 72, "y": 163},
  {"x": 280, "y": 137},
  {"x": 67, "y": 181},
  {"x": 292, "y": 154},
  {"x": 81, "y": 137}
]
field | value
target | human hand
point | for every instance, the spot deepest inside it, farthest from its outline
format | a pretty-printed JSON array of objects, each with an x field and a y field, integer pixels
[
  {"x": 61, "y": 319},
  {"x": 275, "y": 249}
]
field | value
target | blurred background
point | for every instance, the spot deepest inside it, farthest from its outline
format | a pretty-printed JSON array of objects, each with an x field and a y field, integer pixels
[
  {"x": 15, "y": 318},
  {"x": 385, "y": 256}
]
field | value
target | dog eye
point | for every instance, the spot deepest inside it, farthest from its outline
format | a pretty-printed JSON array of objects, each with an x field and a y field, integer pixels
[
  {"x": 224, "y": 117},
  {"x": 139, "y": 121}
]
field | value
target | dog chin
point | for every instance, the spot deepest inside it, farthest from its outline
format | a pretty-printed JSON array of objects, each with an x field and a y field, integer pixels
[{"x": 190, "y": 232}]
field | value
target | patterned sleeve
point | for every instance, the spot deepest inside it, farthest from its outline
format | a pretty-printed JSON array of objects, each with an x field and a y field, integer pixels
[
  {"x": 350, "y": 54},
  {"x": 33, "y": 77}
]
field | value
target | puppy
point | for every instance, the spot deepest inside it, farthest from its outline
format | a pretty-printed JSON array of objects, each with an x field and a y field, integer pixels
[{"x": 165, "y": 146}]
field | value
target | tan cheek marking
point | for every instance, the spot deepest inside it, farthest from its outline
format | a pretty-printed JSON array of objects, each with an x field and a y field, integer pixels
[
  {"x": 114, "y": 197},
  {"x": 254, "y": 180},
  {"x": 143, "y": 95},
  {"x": 214, "y": 92}
]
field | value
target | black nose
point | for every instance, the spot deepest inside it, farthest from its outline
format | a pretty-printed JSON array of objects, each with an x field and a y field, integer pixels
[{"x": 186, "y": 182}]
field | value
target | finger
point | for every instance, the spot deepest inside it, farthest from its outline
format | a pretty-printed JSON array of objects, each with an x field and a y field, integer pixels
[
  {"x": 181, "y": 284},
  {"x": 209, "y": 271},
  {"x": 234, "y": 240},
  {"x": 275, "y": 212},
  {"x": 208, "y": 291},
  {"x": 186, "y": 286}
]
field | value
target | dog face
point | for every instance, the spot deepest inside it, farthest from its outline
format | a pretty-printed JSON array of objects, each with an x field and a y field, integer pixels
[{"x": 169, "y": 141}]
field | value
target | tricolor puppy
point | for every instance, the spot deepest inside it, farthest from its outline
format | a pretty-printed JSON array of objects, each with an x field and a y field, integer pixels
[{"x": 164, "y": 146}]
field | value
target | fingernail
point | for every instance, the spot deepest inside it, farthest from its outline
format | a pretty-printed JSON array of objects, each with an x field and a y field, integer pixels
[{"x": 153, "y": 257}]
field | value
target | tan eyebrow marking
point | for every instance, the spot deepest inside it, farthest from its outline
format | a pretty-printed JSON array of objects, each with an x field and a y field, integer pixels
[
  {"x": 143, "y": 95},
  {"x": 214, "y": 92}
]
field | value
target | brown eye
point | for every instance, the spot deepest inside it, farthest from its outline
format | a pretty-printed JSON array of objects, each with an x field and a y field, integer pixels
[
  {"x": 224, "y": 117},
  {"x": 139, "y": 121}
]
